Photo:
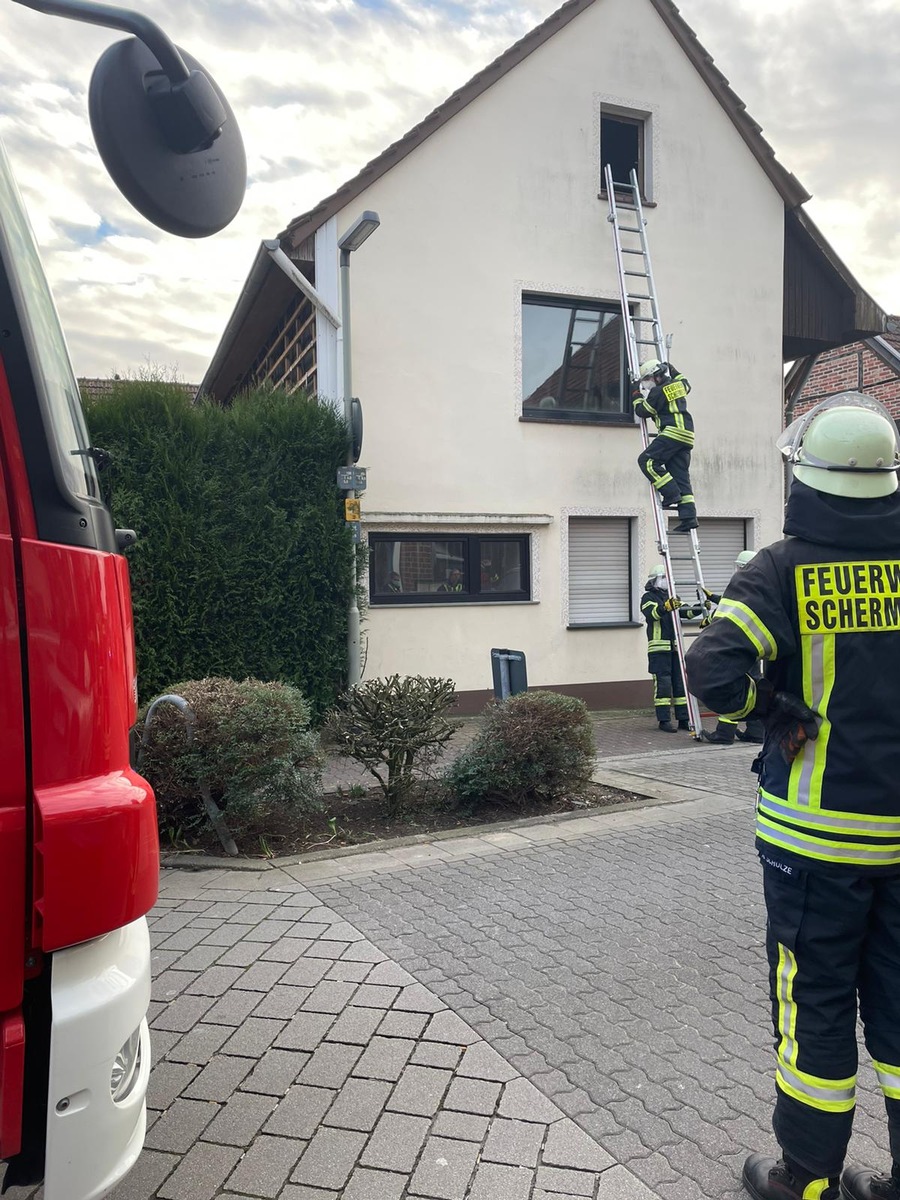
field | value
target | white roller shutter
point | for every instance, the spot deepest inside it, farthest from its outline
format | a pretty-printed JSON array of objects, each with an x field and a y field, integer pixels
[
  {"x": 721, "y": 541},
  {"x": 599, "y": 571}
]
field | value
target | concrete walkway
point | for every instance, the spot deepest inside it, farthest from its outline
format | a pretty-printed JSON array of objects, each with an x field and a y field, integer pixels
[{"x": 576, "y": 1008}]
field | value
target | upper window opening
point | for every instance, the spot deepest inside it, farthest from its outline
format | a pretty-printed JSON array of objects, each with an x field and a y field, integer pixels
[{"x": 622, "y": 147}]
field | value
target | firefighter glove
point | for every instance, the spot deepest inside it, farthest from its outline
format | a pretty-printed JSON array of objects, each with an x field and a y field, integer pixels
[
  {"x": 789, "y": 721},
  {"x": 672, "y": 603}
]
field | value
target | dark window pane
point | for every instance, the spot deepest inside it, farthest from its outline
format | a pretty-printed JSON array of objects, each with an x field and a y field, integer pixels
[
  {"x": 502, "y": 568},
  {"x": 572, "y": 357},
  {"x": 403, "y": 567},
  {"x": 620, "y": 146}
]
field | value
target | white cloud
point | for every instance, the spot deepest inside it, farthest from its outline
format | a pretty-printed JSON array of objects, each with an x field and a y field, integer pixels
[{"x": 320, "y": 88}]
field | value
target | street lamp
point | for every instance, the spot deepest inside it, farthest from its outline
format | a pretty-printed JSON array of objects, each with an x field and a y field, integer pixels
[{"x": 361, "y": 229}]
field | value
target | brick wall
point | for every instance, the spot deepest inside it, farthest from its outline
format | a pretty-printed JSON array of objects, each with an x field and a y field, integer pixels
[{"x": 852, "y": 368}]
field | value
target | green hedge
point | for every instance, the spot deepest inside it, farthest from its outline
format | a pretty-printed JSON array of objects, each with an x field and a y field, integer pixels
[{"x": 242, "y": 564}]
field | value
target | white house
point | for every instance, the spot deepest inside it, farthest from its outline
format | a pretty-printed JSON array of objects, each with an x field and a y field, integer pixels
[{"x": 504, "y": 505}]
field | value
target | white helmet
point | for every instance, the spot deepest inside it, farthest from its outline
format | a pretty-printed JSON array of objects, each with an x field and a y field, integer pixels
[
  {"x": 846, "y": 446},
  {"x": 657, "y": 576},
  {"x": 650, "y": 368},
  {"x": 743, "y": 558}
]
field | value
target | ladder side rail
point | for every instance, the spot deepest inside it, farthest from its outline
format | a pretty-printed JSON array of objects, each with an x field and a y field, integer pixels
[
  {"x": 613, "y": 218},
  {"x": 659, "y": 337}
]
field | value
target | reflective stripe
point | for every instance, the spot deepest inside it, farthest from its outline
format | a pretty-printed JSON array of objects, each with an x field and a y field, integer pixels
[
  {"x": 817, "y": 819},
  {"x": 686, "y": 436},
  {"x": 748, "y": 706},
  {"x": 822, "y": 849},
  {"x": 808, "y": 768},
  {"x": 787, "y": 1009},
  {"x": 827, "y": 1095},
  {"x": 747, "y": 621},
  {"x": 817, "y": 1189},
  {"x": 889, "y": 1078}
]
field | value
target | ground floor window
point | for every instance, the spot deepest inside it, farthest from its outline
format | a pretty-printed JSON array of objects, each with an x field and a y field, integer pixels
[
  {"x": 600, "y": 571},
  {"x": 412, "y": 568}
]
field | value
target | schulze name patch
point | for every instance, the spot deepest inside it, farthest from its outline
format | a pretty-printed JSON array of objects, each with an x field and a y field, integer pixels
[{"x": 852, "y": 597}]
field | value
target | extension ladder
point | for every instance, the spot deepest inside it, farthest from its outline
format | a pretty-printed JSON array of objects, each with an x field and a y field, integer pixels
[{"x": 644, "y": 338}]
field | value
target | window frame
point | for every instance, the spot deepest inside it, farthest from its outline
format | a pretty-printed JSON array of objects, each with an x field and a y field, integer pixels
[
  {"x": 627, "y": 117},
  {"x": 570, "y": 416},
  {"x": 472, "y": 552}
]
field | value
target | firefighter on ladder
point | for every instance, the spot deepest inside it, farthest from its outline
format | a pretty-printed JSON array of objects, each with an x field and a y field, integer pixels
[
  {"x": 660, "y": 395},
  {"x": 659, "y": 611},
  {"x": 823, "y": 608}
]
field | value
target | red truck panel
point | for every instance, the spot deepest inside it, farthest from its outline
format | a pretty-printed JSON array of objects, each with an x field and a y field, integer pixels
[
  {"x": 12, "y": 755},
  {"x": 12, "y": 1078},
  {"x": 96, "y": 855}
]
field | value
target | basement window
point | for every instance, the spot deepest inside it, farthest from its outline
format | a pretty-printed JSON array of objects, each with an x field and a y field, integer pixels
[{"x": 623, "y": 147}]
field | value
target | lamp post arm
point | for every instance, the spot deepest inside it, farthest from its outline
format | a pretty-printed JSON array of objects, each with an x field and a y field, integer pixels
[{"x": 111, "y": 17}]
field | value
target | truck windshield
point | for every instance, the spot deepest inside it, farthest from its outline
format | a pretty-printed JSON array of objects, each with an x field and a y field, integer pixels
[{"x": 52, "y": 370}]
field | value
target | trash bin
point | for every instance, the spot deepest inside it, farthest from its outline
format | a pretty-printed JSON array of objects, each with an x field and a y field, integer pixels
[{"x": 510, "y": 675}]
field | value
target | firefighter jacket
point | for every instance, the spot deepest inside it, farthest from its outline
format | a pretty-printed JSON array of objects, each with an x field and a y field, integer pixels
[
  {"x": 660, "y": 623},
  {"x": 666, "y": 405},
  {"x": 822, "y": 608}
]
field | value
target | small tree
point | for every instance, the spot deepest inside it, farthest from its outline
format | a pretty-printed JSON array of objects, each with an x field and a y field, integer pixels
[
  {"x": 537, "y": 746},
  {"x": 392, "y": 726}
]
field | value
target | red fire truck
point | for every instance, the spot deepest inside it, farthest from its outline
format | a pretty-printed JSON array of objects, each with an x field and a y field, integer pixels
[{"x": 79, "y": 855}]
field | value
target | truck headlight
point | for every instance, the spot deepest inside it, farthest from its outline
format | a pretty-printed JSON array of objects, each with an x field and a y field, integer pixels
[{"x": 126, "y": 1068}]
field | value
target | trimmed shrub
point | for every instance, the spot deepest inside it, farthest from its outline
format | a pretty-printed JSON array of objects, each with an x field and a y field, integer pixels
[
  {"x": 252, "y": 744},
  {"x": 243, "y": 563},
  {"x": 535, "y": 747},
  {"x": 394, "y": 727}
]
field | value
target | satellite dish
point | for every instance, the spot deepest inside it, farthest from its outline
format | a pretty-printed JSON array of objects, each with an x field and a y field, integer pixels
[{"x": 172, "y": 147}]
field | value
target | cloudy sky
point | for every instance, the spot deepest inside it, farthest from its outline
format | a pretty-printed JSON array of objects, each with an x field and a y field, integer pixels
[{"x": 322, "y": 86}]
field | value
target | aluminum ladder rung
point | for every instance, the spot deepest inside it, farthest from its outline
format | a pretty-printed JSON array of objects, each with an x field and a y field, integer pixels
[{"x": 638, "y": 274}]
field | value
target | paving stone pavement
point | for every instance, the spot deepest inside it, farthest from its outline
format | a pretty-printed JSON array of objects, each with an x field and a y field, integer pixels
[{"x": 573, "y": 1009}]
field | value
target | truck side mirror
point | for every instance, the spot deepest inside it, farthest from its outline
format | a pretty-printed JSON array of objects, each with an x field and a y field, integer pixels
[{"x": 173, "y": 148}]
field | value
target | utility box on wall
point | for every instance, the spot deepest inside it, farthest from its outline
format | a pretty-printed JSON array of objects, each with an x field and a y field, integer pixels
[{"x": 510, "y": 675}]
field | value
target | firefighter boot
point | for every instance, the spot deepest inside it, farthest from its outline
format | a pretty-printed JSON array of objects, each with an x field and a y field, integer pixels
[
  {"x": 722, "y": 735},
  {"x": 766, "y": 1179},
  {"x": 683, "y": 723},
  {"x": 860, "y": 1184},
  {"x": 667, "y": 727}
]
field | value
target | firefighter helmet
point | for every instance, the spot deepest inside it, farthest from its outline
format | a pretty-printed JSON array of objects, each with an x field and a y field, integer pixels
[
  {"x": 650, "y": 368},
  {"x": 657, "y": 576},
  {"x": 743, "y": 558},
  {"x": 846, "y": 446}
]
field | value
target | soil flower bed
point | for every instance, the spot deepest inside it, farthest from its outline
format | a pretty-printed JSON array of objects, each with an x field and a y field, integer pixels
[{"x": 356, "y": 817}]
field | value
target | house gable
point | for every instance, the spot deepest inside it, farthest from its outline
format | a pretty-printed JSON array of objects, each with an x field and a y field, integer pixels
[{"x": 791, "y": 191}]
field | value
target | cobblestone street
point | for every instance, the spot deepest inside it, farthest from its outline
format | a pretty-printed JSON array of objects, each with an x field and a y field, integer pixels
[{"x": 574, "y": 1008}]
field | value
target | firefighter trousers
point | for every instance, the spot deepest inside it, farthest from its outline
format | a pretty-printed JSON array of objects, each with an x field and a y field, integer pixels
[
  {"x": 833, "y": 935},
  {"x": 668, "y": 685},
  {"x": 667, "y": 464}
]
